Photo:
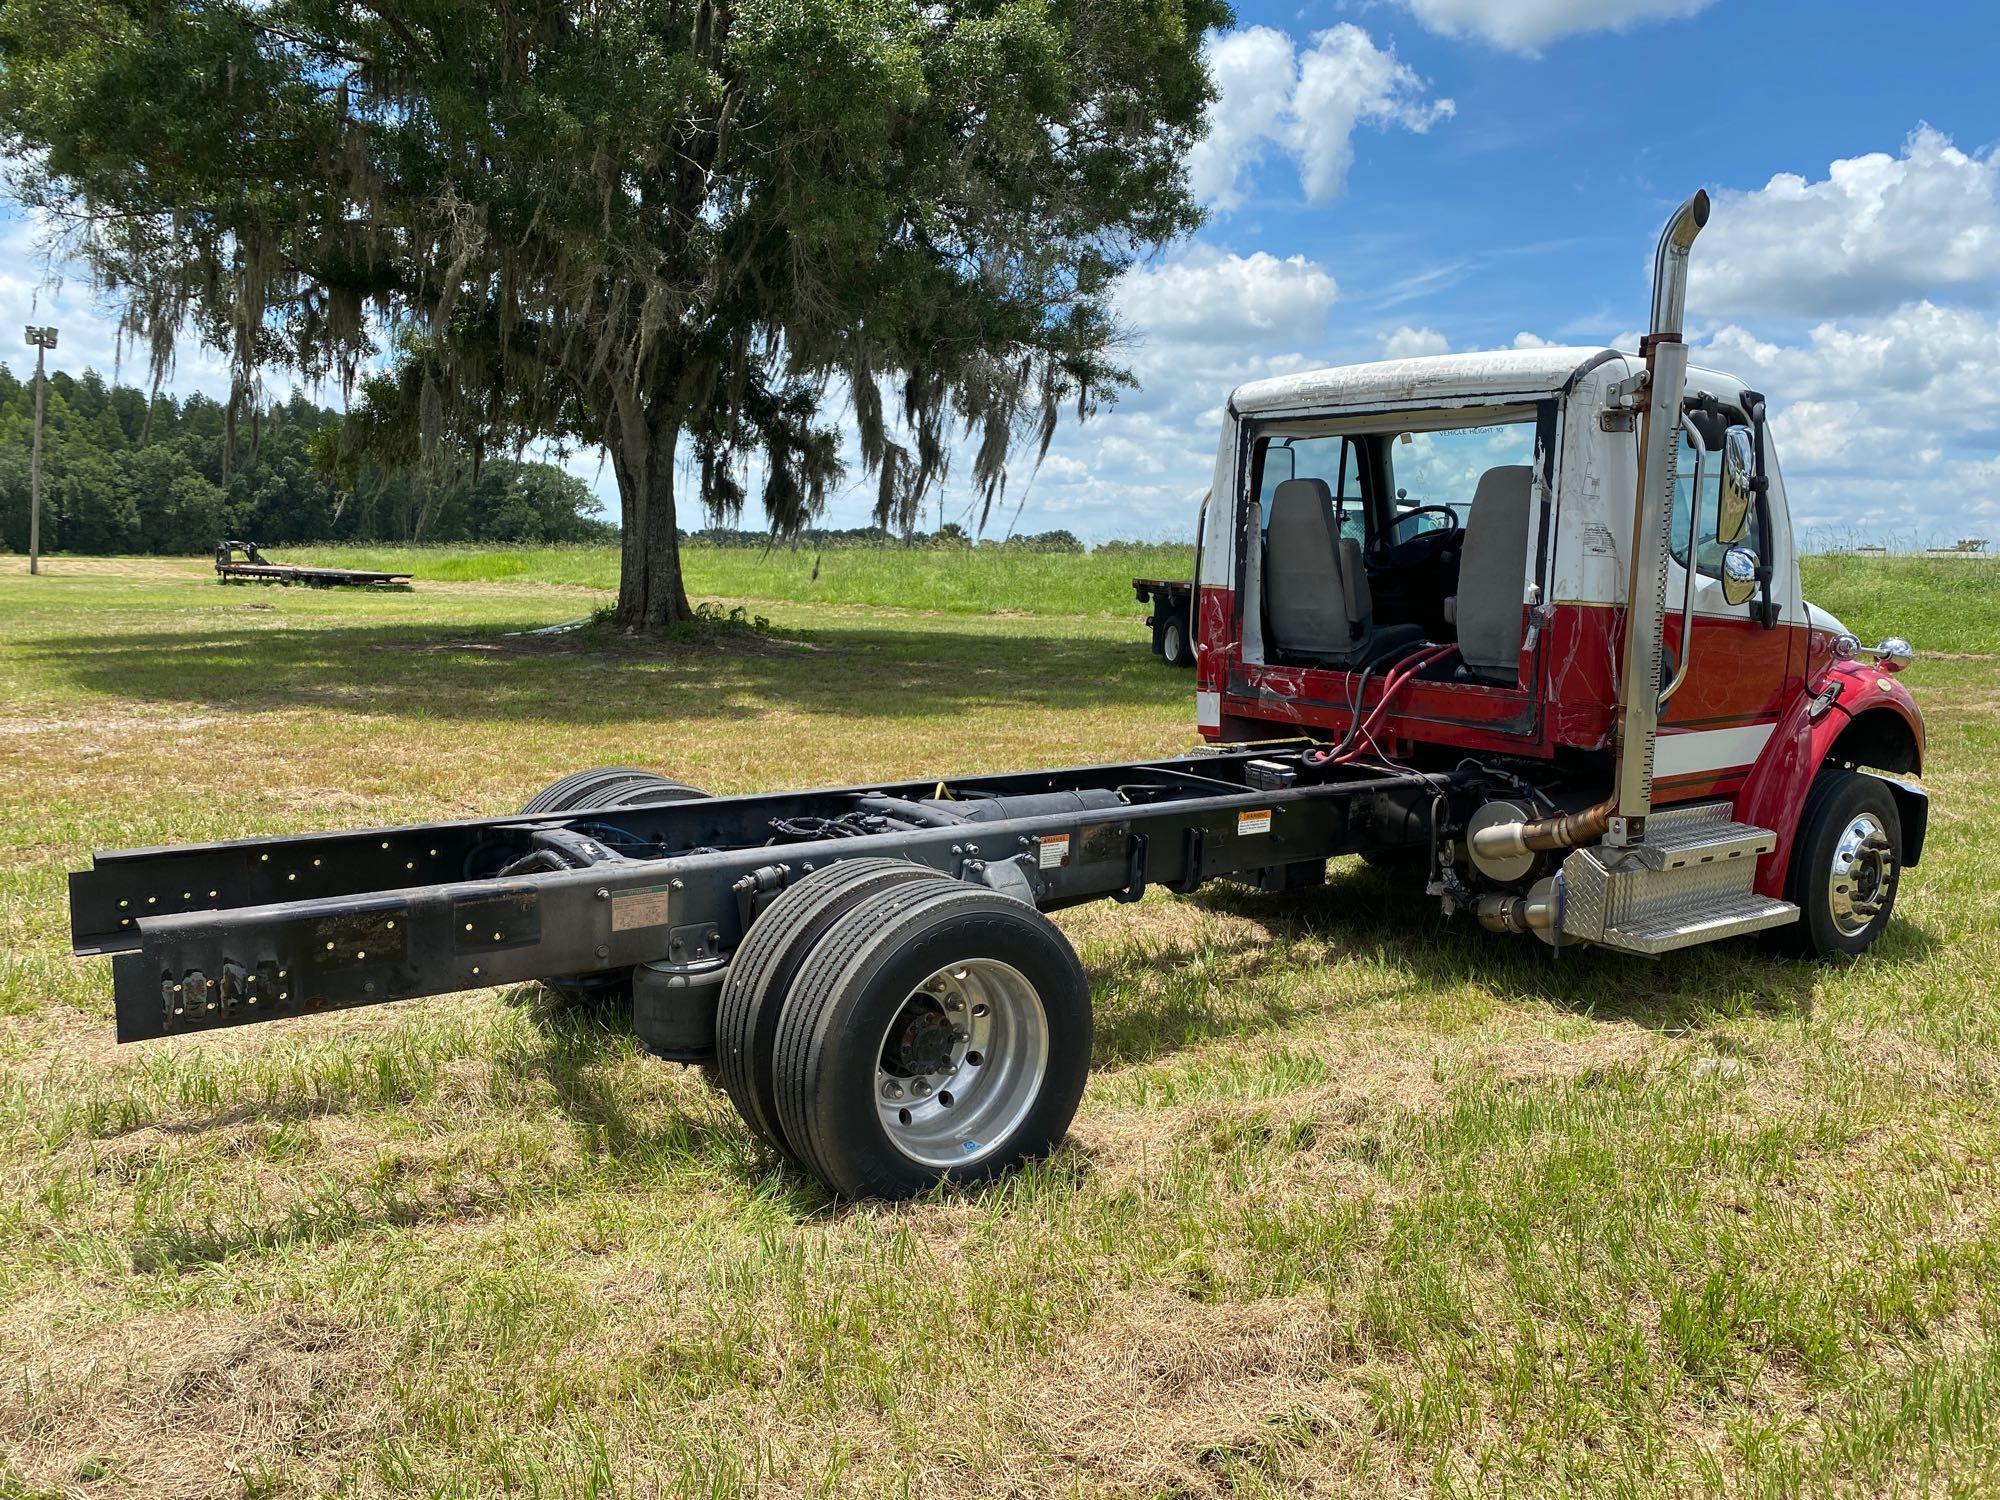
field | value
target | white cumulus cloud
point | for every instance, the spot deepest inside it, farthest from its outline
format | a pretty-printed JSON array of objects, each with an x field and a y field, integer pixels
[
  {"x": 1307, "y": 103},
  {"x": 1529, "y": 25},
  {"x": 1876, "y": 231},
  {"x": 1884, "y": 425},
  {"x": 1210, "y": 296},
  {"x": 1254, "y": 71},
  {"x": 1409, "y": 343}
]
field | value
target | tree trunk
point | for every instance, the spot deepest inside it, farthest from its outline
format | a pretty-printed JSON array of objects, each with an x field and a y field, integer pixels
[{"x": 651, "y": 594}]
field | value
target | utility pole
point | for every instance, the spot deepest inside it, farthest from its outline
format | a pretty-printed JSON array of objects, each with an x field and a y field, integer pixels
[{"x": 44, "y": 339}]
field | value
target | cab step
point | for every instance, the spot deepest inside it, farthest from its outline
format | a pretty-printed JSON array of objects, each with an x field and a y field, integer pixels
[
  {"x": 1701, "y": 834},
  {"x": 1691, "y": 881},
  {"x": 1662, "y": 933}
]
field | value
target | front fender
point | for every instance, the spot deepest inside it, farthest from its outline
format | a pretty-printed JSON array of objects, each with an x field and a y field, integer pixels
[
  {"x": 1857, "y": 706},
  {"x": 1870, "y": 696}
]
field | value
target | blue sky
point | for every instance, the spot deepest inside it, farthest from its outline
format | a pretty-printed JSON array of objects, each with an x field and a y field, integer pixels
[{"x": 1391, "y": 176}]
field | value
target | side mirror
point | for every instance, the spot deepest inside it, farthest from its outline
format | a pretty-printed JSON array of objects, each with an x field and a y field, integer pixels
[
  {"x": 1893, "y": 654},
  {"x": 1738, "y": 490},
  {"x": 1739, "y": 575}
]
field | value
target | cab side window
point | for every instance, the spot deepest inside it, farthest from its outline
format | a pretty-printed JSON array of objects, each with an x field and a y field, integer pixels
[
  {"x": 1337, "y": 461},
  {"x": 1274, "y": 467},
  {"x": 1707, "y": 549}
]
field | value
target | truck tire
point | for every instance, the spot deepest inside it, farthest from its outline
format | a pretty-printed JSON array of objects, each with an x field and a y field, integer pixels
[
  {"x": 1846, "y": 863},
  {"x": 609, "y": 786},
  {"x": 1175, "y": 648},
  {"x": 583, "y": 791},
  {"x": 766, "y": 963},
  {"x": 936, "y": 1033}
]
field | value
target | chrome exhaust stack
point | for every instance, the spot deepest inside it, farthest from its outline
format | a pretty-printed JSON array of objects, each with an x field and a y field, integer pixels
[
  {"x": 1670, "y": 266},
  {"x": 1621, "y": 818},
  {"x": 1690, "y": 877},
  {"x": 1663, "y": 385}
]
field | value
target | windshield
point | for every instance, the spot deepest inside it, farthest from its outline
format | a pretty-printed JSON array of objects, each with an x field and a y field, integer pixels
[
  {"x": 1396, "y": 479},
  {"x": 1438, "y": 472}
]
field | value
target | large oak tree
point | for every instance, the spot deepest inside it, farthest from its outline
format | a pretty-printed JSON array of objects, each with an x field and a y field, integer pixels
[{"x": 699, "y": 232}]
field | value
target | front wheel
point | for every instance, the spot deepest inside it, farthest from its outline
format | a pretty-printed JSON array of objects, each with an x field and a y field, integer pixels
[
  {"x": 1175, "y": 648},
  {"x": 1846, "y": 864}
]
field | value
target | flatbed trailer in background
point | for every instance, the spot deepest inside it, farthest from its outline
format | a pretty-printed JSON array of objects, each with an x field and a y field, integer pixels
[
  {"x": 255, "y": 569},
  {"x": 1172, "y": 619}
]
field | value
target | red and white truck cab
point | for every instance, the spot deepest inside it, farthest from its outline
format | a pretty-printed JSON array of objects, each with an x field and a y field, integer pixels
[{"x": 1424, "y": 560}]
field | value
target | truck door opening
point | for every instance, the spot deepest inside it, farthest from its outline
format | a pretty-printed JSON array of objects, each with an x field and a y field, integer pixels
[{"x": 1382, "y": 536}]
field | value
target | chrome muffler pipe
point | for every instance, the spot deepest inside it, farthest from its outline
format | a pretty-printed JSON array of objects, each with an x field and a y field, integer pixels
[
  {"x": 1646, "y": 581},
  {"x": 1499, "y": 843},
  {"x": 1539, "y": 912},
  {"x": 1670, "y": 266}
]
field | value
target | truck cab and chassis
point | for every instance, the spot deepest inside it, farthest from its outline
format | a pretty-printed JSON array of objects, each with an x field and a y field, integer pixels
[{"x": 1525, "y": 628}]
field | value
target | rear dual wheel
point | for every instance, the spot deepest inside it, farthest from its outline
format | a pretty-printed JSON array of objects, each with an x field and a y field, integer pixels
[
  {"x": 609, "y": 786},
  {"x": 761, "y": 974},
  {"x": 928, "y": 1031},
  {"x": 587, "y": 791}
]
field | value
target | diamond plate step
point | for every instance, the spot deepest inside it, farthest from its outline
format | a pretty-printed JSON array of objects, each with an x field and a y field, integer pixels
[
  {"x": 1690, "y": 882},
  {"x": 1704, "y": 844},
  {"x": 1666, "y": 931},
  {"x": 1697, "y": 833}
]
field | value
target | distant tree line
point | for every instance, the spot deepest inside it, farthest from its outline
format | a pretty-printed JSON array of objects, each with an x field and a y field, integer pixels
[
  {"x": 950, "y": 537},
  {"x": 122, "y": 473}
]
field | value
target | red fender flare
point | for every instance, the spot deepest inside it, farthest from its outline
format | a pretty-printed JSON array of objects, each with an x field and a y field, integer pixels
[{"x": 1775, "y": 793}]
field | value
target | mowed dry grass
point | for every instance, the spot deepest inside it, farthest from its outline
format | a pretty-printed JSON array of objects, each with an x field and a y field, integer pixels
[{"x": 1357, "y": 1202}]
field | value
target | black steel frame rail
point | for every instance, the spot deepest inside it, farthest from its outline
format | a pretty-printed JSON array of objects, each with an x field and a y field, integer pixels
[{"x": 229, "y": 933}]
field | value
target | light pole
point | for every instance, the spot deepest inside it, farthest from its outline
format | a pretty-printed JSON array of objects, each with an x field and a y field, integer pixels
[{"x": 44, "y": 339}]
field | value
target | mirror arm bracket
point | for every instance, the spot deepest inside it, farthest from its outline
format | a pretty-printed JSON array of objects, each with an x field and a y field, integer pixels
[
  {"x": 1767, "y": 607},
  {"x": 1622, "y": 403}
]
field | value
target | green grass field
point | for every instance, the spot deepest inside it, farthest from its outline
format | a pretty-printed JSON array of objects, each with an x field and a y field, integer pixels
[
  {"x": 962, "y": 582},
  {"x": 1949, "y": 604},
  {"x": 1357, "y": 1202}
]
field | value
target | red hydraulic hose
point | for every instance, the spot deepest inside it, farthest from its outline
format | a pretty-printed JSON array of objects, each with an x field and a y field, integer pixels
[
  {"x": 1365, "y": 731},
  {"x": 1404, "y": 674}
]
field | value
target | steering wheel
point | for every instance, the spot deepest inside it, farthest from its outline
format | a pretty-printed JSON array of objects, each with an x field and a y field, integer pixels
[{"x": 1383, "y": 553}]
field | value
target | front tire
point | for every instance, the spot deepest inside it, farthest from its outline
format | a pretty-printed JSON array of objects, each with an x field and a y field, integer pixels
[
  {"x": 1174, "y": 647},
  {"x": 1847, "y": 862},
  {"x": 935, "y": 1034}
]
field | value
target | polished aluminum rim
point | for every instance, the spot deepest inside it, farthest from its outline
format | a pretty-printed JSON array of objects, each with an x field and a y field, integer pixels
[
  {"x": 1863, "y": 875},
  {"x": 961, "y": 1063}
]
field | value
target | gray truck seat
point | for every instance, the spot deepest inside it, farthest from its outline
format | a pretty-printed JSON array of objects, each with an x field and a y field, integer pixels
[
  {"x": 1304, "y": 600},
  {"x": 1492, "y": 571},
  {"x": 1316, "y": 596}
]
